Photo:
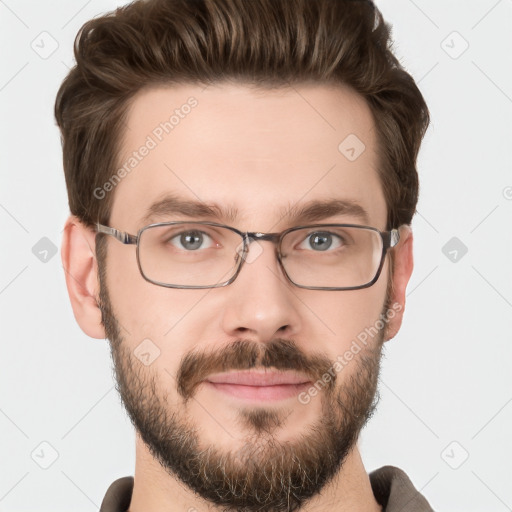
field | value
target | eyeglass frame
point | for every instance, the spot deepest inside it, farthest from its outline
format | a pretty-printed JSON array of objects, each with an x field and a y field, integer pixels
[{"x": 389, "y": 240}]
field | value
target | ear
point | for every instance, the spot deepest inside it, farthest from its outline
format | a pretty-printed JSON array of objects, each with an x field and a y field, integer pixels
[
  {"x": 403, "y": 266},
  {"x": 78, "y": 253}
]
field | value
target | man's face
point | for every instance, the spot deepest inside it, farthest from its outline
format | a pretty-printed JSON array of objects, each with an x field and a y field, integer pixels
[{"x": 259, "y": 153}]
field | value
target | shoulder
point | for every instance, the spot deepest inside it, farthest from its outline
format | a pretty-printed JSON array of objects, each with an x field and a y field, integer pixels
[
  {"x": 118, "y": 495},
  {"x": 394, "y": 491}
]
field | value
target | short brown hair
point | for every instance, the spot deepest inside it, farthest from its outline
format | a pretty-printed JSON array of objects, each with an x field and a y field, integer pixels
[{"x": 267, "y": 43}]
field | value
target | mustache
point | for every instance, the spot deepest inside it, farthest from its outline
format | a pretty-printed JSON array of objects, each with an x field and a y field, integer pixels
[{"x": 279, "y": 353}]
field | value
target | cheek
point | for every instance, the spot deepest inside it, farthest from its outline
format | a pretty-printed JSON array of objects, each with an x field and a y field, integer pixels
[
  {"x": 145, "y": 310},
  {"x": 336, "y": 320}
]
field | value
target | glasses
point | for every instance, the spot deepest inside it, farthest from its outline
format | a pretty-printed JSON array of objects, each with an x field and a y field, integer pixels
[{"x": 200, "y": 254}]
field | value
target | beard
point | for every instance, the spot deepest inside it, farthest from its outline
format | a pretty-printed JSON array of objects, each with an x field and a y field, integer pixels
[{"x": 265, "y": 474}]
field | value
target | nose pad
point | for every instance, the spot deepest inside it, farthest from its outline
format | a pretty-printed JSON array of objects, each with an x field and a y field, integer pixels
[
  {"x": 249, "y": 251},
  {"x": 254, "y": 250},
  {"x": 240, "y": 252}
]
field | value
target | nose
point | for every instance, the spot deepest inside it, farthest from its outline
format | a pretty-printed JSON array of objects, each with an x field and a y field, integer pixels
[{"x": 260, "y": 304}]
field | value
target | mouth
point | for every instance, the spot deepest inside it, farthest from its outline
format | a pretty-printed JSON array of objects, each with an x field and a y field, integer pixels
[{"x": 258, "y": 385}]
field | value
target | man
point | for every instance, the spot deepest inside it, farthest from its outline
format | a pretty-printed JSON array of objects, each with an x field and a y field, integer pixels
[{"x": 242, "y": 178}]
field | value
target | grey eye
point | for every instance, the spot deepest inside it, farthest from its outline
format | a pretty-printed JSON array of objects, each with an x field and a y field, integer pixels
[
  {"x": 321, "y": 241},
  {"x": 190, "y": 240}
]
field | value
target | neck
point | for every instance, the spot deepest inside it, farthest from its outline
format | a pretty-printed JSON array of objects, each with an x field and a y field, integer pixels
[{"x": 155, "y": 490}]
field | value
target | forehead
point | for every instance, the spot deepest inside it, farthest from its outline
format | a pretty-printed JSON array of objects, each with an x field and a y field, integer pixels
[{"x": 254, "y": 152}]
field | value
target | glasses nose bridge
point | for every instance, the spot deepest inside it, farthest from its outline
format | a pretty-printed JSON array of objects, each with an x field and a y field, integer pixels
[
  {"x": 267, "y": 237},
  {"x": 252, "y": 236}
]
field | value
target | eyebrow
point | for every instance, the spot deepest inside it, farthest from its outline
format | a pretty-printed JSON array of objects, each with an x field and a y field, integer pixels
[{"x": 311, "y": 211}]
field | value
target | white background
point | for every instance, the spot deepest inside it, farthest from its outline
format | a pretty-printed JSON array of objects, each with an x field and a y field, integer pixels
[{"x": 446, "y": 390}]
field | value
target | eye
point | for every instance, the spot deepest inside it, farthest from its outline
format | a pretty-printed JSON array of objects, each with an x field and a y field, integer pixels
[
  {"x": 322, "y": 241},
  {"x": 191, "y": 240}
]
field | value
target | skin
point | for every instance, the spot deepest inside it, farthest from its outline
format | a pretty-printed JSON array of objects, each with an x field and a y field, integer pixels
[{"x": 258, "y": 151}]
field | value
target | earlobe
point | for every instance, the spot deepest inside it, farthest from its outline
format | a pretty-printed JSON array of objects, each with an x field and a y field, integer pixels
[
  {"x": 403, "y": 266},
  {"x": 81, "y": 273}
]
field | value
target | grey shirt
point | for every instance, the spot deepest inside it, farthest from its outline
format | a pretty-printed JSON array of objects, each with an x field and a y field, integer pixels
[{"x": 391, "y": 487}]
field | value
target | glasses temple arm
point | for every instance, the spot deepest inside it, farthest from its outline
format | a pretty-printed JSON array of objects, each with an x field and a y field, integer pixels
[
  {"x": 394, "y": 237},
  {"x": 122, "y": 236}
]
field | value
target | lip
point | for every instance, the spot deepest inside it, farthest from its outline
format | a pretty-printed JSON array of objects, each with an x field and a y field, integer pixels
[
  {"x": 258, "y": 378},
  {"x": 258, "y": 386}
]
